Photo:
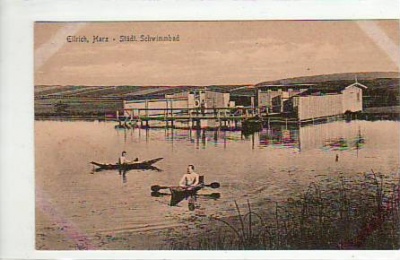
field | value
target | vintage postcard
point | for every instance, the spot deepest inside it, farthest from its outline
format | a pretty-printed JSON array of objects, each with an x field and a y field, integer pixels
[{"x": 217, "y": 135}]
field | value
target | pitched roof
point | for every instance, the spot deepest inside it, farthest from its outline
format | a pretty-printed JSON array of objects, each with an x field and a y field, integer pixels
[{"x": 357, "y": 84}]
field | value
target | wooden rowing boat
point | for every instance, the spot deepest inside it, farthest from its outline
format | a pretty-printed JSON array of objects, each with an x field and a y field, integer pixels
[
  {"x": 178, "y": 193},
  {"x": 143, "y": 165}
]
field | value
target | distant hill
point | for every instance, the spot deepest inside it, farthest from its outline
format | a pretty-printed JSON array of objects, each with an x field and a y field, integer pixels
[
  {"x": 334, "y": 77},
  {"x": 383, "y": 91},
  {"x": 383, "y": 87}
]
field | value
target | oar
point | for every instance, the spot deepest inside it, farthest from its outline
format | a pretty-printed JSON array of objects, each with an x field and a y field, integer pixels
[
  {"x": 156, "y": 188},
  {"x": 213, "y": 185},
  {"x": 212, "y": 196}
]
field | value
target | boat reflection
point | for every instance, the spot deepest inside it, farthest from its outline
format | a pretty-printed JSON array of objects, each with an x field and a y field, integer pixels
[
  {"x": 213, "y": 196},
  {"x": 124, "y": 173},
  {"x": 143, "y": 168}
]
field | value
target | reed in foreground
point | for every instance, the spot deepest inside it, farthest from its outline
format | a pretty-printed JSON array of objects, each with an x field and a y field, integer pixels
[{"x": 358, "y": 213}]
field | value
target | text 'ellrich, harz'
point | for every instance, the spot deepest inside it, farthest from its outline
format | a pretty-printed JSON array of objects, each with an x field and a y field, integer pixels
[{"x": 84, "y": 39}]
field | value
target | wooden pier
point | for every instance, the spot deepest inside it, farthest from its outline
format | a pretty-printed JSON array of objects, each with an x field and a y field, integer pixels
[
  {"x": 193, "y": 117},
  {"x": 213, "y": 118}
]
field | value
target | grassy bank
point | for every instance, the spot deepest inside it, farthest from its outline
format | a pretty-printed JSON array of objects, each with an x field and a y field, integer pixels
[
  {"x": 357, "y": 213},
  {"x": 381, "y": 113}
]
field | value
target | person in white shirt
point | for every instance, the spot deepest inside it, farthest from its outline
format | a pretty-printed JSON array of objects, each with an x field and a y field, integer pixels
[
  {"x": 190, "y": 179},
  {"x": 122, "y": 161}
]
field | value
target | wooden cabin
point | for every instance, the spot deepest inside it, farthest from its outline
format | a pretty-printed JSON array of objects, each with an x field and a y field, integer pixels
[
  {"x": 314, "y": 104},
  {"x": 310, "y": 101},
  {"x": 272, "y": 98},
  {"x": 204, "y": 100}
]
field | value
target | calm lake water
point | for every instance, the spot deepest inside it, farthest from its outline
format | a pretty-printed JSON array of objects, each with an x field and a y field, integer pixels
[{"x": 271, "y": 165}]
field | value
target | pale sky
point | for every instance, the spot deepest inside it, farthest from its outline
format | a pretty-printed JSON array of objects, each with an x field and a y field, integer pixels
[{"x": 213, "y": 52}]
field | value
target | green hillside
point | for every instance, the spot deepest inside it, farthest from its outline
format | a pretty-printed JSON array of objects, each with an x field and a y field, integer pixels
[
  {"x": 336, "y": 77},
  {"x": 98, "y": 101}
]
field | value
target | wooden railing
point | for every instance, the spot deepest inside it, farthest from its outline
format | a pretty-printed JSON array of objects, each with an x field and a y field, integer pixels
[{"x": 223, "y": 113}]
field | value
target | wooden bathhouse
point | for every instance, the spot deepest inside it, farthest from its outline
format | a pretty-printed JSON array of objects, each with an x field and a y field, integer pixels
[
  {"x": 272, "y": 98},
  {"x": 309, "y": 102},
  {"x": 177, "y": 101}
]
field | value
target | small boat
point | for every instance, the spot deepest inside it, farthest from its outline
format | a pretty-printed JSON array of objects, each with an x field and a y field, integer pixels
[
  {"x": 141, "y": 165},
  {"x": 180, "y": 193}
]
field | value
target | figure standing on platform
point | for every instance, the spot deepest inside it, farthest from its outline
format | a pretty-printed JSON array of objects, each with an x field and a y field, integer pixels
[{"x": 203, "y": 107}]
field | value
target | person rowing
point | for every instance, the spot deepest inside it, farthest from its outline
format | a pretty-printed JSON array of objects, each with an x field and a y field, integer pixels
[
  {"x": 190, "y": 183},
  {"x": 123, "y": 161},
  {"x": 190, "y": 180},
  {"x": 188, "y": 187}
]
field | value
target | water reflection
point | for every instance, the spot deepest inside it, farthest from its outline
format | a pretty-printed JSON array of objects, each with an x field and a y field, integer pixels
[
  {"x": 124, "y": 179},
  {"x": 201, "y": 138},
  {"x": 331, "y": 136},
  {"x": 124, "y": 171},
  {"x": 213, "y": 196},
  {"x": 280, "y": 137},
  {"x": 334, "y": 136}
]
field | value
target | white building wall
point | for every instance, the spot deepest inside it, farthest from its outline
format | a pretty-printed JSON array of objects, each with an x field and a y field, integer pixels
[
  {"x": 182, "y": 100},
  {"x": 178, "y": 103},
  {"x": 319, "y": 106},
  {"x": 192, "y": 102},
  {"x": 226, "y": 100},
  {"x": 131, "y": 108},
  {"x": 216, "y": 99},
  {"x": 352, "y": 99},
  {"x": 161, "y": 104},
  {"x": 134, "y": 105},
  {"x": 264, "y": 98}
]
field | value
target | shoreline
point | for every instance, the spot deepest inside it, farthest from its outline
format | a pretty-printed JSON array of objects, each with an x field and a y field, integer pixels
[{"x": 368, "y": 114}]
